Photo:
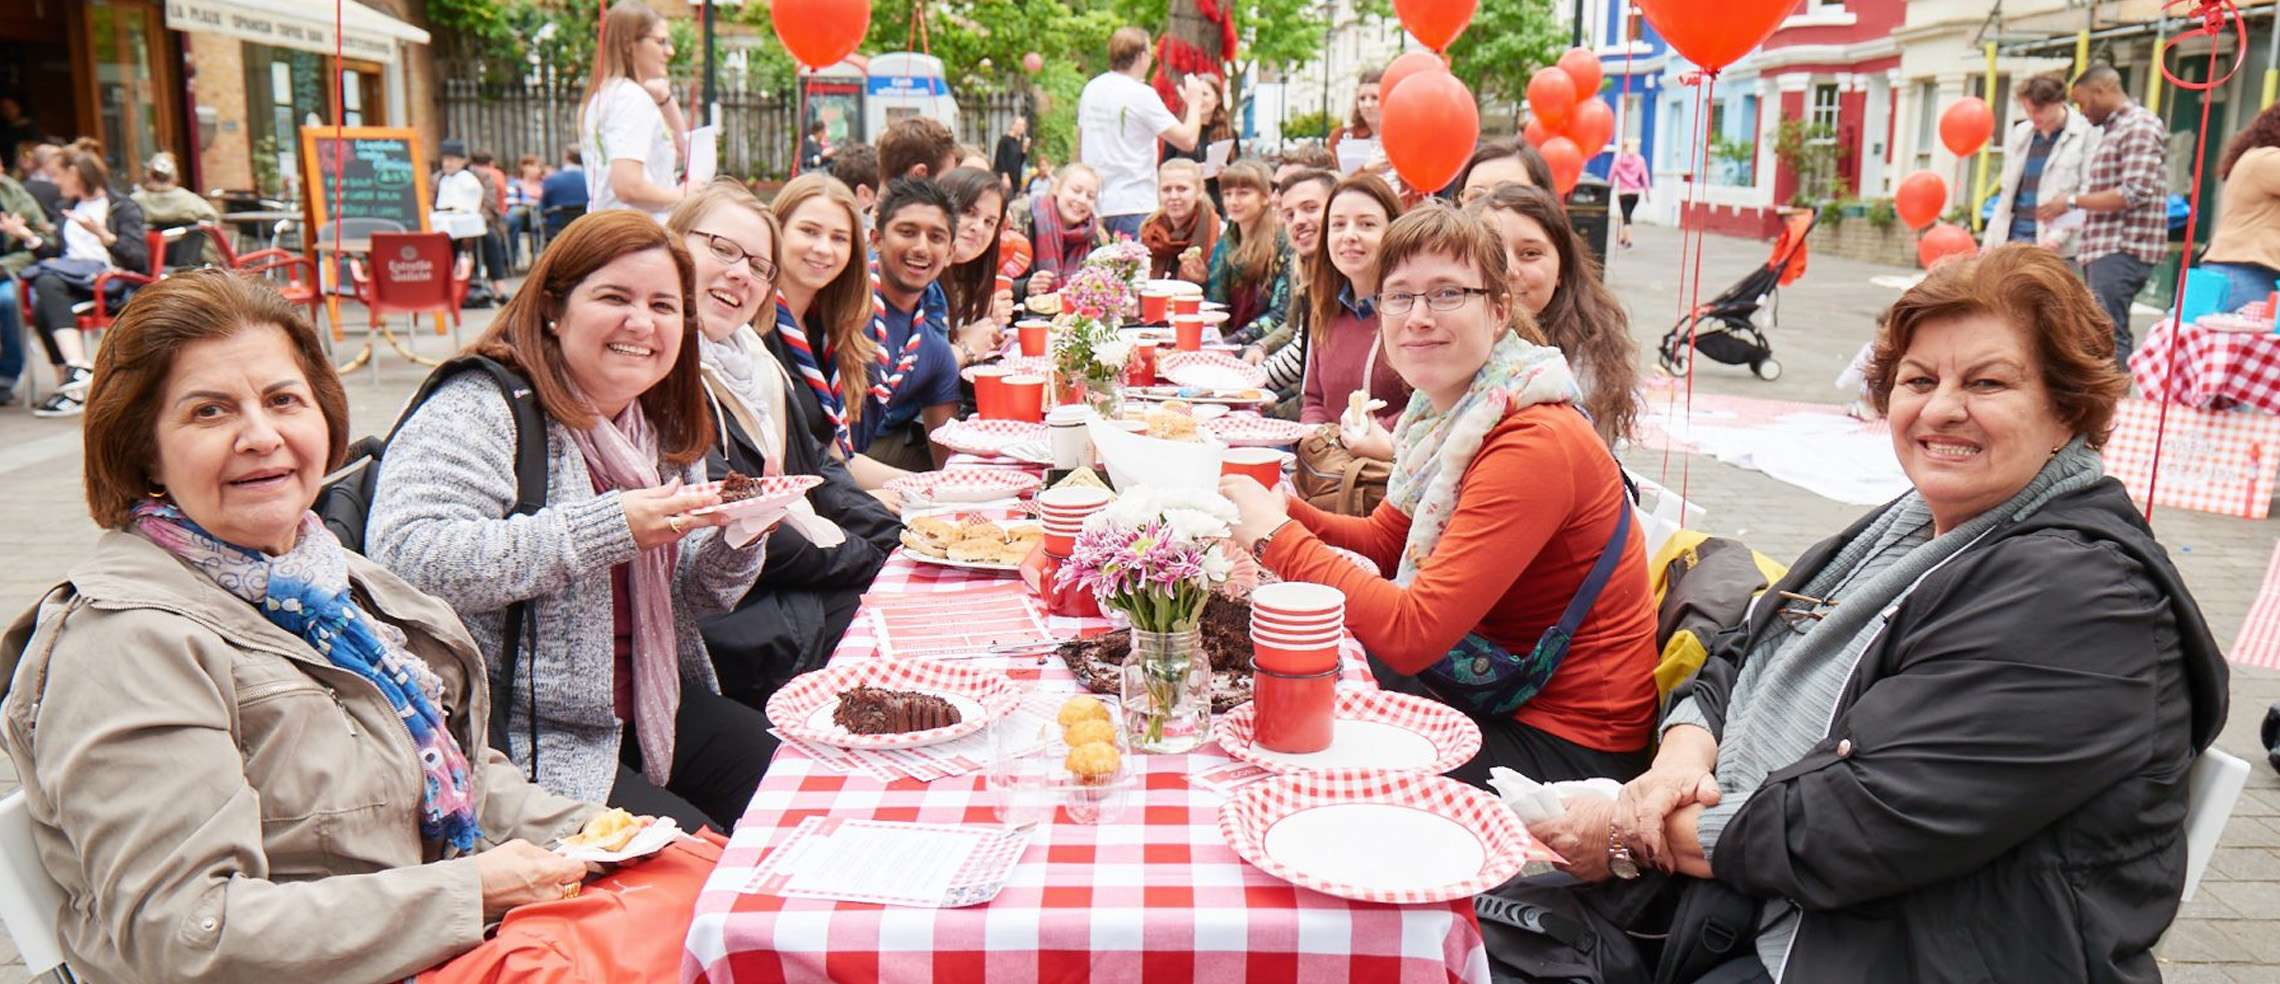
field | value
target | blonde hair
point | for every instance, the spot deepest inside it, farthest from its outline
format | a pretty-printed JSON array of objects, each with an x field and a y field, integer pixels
[
  {"x": 1179, "y": 167},
  {"x": 843, "y": 306},
  {"x": 622, "y": 28}
]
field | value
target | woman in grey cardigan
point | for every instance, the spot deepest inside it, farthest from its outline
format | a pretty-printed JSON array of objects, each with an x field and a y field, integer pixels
[{"x": 613, "y": 680}]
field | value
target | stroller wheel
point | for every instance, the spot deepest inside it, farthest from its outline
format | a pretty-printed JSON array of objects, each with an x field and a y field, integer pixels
[{"x": 1768, "y": 369}]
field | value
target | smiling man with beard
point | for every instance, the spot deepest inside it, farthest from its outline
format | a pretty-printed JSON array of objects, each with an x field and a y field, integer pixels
[{"x": 918, "y": 389}]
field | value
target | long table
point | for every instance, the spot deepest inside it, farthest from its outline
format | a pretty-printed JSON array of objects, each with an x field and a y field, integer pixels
[{"x": 1154, "y": 897}]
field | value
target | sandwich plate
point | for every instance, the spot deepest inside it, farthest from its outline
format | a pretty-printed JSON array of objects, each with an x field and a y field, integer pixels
[
  {"x": 803, "y": 708},
  {"x": 1212, "y": 370},
  {"x": 1250, "y": 430},
  {"x": 974, "y": 565}
]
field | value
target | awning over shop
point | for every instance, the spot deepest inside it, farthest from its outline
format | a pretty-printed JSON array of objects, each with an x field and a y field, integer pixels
[{"x": 366, "y": 33}]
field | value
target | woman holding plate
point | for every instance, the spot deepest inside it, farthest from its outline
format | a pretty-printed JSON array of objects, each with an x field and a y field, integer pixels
[
  {"x": 624, "y": 559},
  {"x": 1520, "y": 593}
]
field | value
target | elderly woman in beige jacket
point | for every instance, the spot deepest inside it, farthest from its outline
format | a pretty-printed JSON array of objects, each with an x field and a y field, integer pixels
[
  {"x": 2046, "y": 159},
  {"x": 248, "y": 753}
]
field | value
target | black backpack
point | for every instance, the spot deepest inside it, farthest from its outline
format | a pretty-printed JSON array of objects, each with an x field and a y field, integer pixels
[{"x": 345, "y": 503}]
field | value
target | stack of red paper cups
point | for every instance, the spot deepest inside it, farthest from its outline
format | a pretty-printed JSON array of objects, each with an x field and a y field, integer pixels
[
  {"x": 1065, "y": 511},
  {"x": 1295, "y": 629}
]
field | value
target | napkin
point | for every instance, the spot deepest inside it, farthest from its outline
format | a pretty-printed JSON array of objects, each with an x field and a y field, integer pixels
[
  {"x": 1134, "y": 461},
  {"x": 1354, "y": 424},
  {"x": 819, "y": 531},
  {"x": 742, "y": 531},
  {"x": 1535, "y": 801}
]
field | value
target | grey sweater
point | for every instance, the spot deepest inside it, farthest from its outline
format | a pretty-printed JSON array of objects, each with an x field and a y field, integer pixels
[{"x": 446, "y": 481}]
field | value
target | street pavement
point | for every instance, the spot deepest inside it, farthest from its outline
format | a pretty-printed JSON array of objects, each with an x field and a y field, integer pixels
[{"x": 2227, "y": 934}]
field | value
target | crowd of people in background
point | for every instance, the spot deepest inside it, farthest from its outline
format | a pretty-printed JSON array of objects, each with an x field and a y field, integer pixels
[{"x": 669, "y": 331}]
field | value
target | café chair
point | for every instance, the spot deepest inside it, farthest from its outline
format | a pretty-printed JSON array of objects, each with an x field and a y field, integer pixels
[{"x": 30, "y": 902}]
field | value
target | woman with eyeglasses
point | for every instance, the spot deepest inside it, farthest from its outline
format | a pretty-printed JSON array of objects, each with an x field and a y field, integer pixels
[
  {"x": 1519, "y": 589},
  {"x": 630, "y": 125}
]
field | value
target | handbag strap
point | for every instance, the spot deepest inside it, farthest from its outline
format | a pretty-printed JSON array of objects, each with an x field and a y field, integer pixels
[{"x": 1602, "y": 570}]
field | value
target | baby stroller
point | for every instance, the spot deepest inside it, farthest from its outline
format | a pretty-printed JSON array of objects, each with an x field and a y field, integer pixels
[{"x": 1722, "y": 329}]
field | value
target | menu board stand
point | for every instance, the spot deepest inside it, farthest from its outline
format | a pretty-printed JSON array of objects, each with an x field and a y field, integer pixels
[{"x": 382, "y": 175}]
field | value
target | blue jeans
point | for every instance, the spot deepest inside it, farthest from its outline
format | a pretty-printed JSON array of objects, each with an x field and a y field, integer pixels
[
  {"x": 1123, "y": 226},
  {"x": 2114, "y": 279},
  {"x": 2244, "y": 282},
  {"x": 11, "y": 334}
]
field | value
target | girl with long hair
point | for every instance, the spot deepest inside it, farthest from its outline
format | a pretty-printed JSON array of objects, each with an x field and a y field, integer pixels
[
  {"x": 823, "y": 315},
  {"x": 1558, "y": 282},
  {"x": 1363, "y": 123},
  {"x": 1185, "y": 227},
  {"x": 630, "y": 126},
  {"x": 1345, "y": 356},
  {"x": 979, "y": 311},
  {"x": 2245, "y": 249},
  {"x": 1063, "y": 227},
  {"x": 1250, "y": 265}
]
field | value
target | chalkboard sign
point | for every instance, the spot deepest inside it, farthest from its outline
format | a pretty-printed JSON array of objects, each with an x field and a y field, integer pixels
[{"x": 382, "y": 175}]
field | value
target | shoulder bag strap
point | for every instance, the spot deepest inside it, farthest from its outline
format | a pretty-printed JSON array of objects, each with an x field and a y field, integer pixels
[{"x": 519, "y": 629}]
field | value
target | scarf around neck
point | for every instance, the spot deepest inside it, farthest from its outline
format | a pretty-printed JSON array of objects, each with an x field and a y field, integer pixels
[
  {"x": 1057, "y": 248},
  {"x": 1166, "y": 242},
  {"x": 757, "y": 383},
  {"x": 818, "y": 370},
  {"x": 1433, "y": 448},
  {"x": 622, "y": 454},
  {"x": 305, "y": 591}
]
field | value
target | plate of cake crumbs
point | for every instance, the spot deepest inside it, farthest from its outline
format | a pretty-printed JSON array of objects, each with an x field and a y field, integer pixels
[
  {"x": 887, "y": 703},
  {"x": 743, "y": 495}
]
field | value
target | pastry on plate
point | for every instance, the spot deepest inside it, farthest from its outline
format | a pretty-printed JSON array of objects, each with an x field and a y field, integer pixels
[
  {"x": 1093, "y": 764},
  {"x": 878, "y": 711},
  {"x": 609, "y": 830},
  {"x": 1087, "y": 731},
  {"x": 1082, "y": 708},
  {"x": 738, "y": 487}
]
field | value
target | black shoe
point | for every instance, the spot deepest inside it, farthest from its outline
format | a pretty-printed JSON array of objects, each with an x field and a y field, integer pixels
[
  {"x": 76, "y": 385},
  {"x": 7, "y": 396},
  {"x": 60, "y": 405}
]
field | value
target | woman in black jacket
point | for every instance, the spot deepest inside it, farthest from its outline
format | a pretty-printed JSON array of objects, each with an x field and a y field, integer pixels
[
  {"x": 100, "y": 231},
  {"x": 824, "y": 556},
  {"x": 1955, "y": 744}
]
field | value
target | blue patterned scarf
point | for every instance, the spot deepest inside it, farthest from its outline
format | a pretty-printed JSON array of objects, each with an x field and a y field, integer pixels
[{"x": 305, "y": 592}]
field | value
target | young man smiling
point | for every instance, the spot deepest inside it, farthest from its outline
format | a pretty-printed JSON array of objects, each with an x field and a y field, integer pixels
[{"x": 919, "y": 390}]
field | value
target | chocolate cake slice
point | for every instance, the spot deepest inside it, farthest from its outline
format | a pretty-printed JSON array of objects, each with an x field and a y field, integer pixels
[
  {"x": 878, "y": 711},
  {"x": 738, "y": 487}
]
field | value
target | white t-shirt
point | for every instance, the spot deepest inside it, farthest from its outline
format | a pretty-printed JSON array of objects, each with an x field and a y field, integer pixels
[
  {"x": 623, "y": 123},
  {"x": 1118, "y": 118},
  {"x": 80, "y": 244}
]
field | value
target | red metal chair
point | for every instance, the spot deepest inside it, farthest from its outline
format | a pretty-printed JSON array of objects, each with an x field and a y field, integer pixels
[
  {"x": 411, "y": 273},
  {"x": 101, "y": 316},
  {"x": 288, "y": 273}
]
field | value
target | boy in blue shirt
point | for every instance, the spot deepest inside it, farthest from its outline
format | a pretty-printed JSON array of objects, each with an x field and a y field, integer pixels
[{"x": 917, "y": 390}]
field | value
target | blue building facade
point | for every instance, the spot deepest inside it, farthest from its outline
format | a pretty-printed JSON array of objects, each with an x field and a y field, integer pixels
[{"x": 1632, "y": 79}]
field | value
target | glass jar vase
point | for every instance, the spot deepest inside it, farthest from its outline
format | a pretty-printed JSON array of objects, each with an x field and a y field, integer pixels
[{"x": 1166, "y": 692}]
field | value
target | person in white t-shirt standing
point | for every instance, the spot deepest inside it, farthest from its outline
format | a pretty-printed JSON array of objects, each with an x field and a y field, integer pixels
[
  {"x": 631, "y": 131},
  {"x": 1120, "y": 118}
]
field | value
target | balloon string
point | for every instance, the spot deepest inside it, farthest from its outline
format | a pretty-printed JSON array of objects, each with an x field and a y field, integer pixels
[
  {"x": 798, "y": 131},
  {"x": 1694, "y": 284},
  {"x": 2177, "y": 303},
  {"x": 340, "y": 157},
  {"x": 1687, "y": 238}
]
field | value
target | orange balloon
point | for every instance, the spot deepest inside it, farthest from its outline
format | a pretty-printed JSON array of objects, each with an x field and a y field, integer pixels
[
  {"x": 821, "y": 32},
  {"x": 1431, "y": 123},
  {"x": 1566, "y": 160},
  {"x": 1965, "y": 125},
  {"x": 1551, "y": 97},
  {"x": 1435, "y": 22},
  {"x": 1920, "y": 199},
  {"x": 1591, "y": 126},
  {"x": 1410, "y": 63},
  {"x": 1712, "y": 35},
  {"x": 1582, "y": 66},
  {"x": 1535, "y": 133},
  {"x": 1943, "y": 242}
]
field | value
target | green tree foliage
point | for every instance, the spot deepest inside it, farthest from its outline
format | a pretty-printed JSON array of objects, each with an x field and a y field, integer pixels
[{"x": 1506, "y": 43}]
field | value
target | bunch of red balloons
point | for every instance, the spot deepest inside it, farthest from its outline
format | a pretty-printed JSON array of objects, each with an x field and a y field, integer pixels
[
  {"x": 1964, "y": 127},
  {"x": 1430, "y": 121},
  {"x": 1568, "y": 122}
]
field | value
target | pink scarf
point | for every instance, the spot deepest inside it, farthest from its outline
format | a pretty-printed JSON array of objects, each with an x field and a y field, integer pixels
[{"x": 623, "y": 454}]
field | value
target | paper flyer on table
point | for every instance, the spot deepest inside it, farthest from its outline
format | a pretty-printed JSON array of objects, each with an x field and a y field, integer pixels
[
  {"x": 1356, "y": 153},
  {"x": 955, "y": 622},
  {"x": 704, "y": 154},
  {"x": 927, "y": 865}
]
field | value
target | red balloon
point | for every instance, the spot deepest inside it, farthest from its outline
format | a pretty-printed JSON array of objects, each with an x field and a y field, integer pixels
[
  {"x": 1431, "y": 123},
  {"x": 1033, "y": 62},
  {"x": 1535, "y": 133},
  {"x": 1582, "y": 66},
  {"x": 821, "y": 32},
  {"x": 1943, "y": 242},
  {"x": 1551, "y": 97},
  {"x": 1965, "y": 125},
  {"x": 1435, "y": 22},
  {"x": 1410, "y": 63},
  {"x": 1712, "y": 35},
  {"x": 1566, "y": 160},
  {"x": 1591, "y": 126},
  {"x": 1921, "y": 198}
]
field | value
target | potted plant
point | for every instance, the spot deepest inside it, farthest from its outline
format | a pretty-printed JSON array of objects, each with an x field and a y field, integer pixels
[{"x": 1154, "y": 555}]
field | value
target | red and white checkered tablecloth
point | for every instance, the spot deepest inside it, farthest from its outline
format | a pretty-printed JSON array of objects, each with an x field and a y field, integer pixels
[
  {"x": 2216, "y": 370},
  {"x": 1155, "y": 897},
  {"x": 2217, "y": 461}
]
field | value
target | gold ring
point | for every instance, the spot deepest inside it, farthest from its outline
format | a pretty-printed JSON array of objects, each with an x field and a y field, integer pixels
[
  {"x": 570, "y": 891},
  {"x": 674, "y": 522}
]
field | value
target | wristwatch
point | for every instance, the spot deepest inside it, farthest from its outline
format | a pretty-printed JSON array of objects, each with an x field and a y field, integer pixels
[
  {"x": 1259, "y": 546},
  {"x": 1619, "y": 861}
]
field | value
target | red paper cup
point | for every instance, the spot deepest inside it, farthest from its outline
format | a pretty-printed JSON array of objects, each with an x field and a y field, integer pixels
[
  {"x": 1298, "y": 638},
  {"x": 1187, "y": 332},
  {"x": 1036, "y": 337},
  {"x": 1263, "y": 465},
  {"x": 1297, "y": 626},
  {"x": 1190, "y": 304},
  {"x": 1293, "y": 658},
  {"x": 1004, "y": 282},
  {"x": 1295, "y": 712},
  {"x": 1155, "y": 306},
  {"x": 1025, "y": 398},
  {"x": 1298, "y": 598},
  {"x": 989, "y": 393}
]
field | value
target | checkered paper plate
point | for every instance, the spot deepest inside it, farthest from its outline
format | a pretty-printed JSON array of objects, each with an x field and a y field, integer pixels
[
  {"x": 1374, "y": 729},
  {"x": 965, "y": 484},
  {"x": 802, "y": 709},
  {"x": 1211, "y": 370},
  {"x": 1431, "y": 839},
  {"x": 775, "y": 492},
  {"x": 1014, "y": 365},
  {"x": 1249, "y": 430},
  {"x": 987, "y": 438}
]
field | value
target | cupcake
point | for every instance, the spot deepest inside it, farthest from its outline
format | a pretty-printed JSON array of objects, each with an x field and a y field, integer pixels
[
  {"x": 1093, "y": 763},
  {"x": 1082, "y": 708},
  {"x": 1088, "y": 731}
]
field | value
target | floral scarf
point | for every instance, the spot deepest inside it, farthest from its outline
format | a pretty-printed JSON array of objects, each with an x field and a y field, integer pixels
[
  {"x": 1432, "y": 449},
  {"x": 622, "y": 454},
  {"x": 305, "y": 592}
]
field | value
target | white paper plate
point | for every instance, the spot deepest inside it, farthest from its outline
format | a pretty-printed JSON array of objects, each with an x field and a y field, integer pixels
[
  {"x": 660, "y": 832},
  {"x": 1410, "y": 849}
]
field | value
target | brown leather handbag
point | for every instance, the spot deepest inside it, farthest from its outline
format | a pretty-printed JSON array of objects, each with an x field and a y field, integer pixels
[{"x": 1333, "y": 479}]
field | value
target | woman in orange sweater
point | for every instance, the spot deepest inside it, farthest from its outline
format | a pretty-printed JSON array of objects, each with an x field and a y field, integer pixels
[{"x": 1520, "y": 594}]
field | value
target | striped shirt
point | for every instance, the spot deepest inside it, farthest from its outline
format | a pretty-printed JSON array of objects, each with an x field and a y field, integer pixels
[{"x": 2132, "y": 158}]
